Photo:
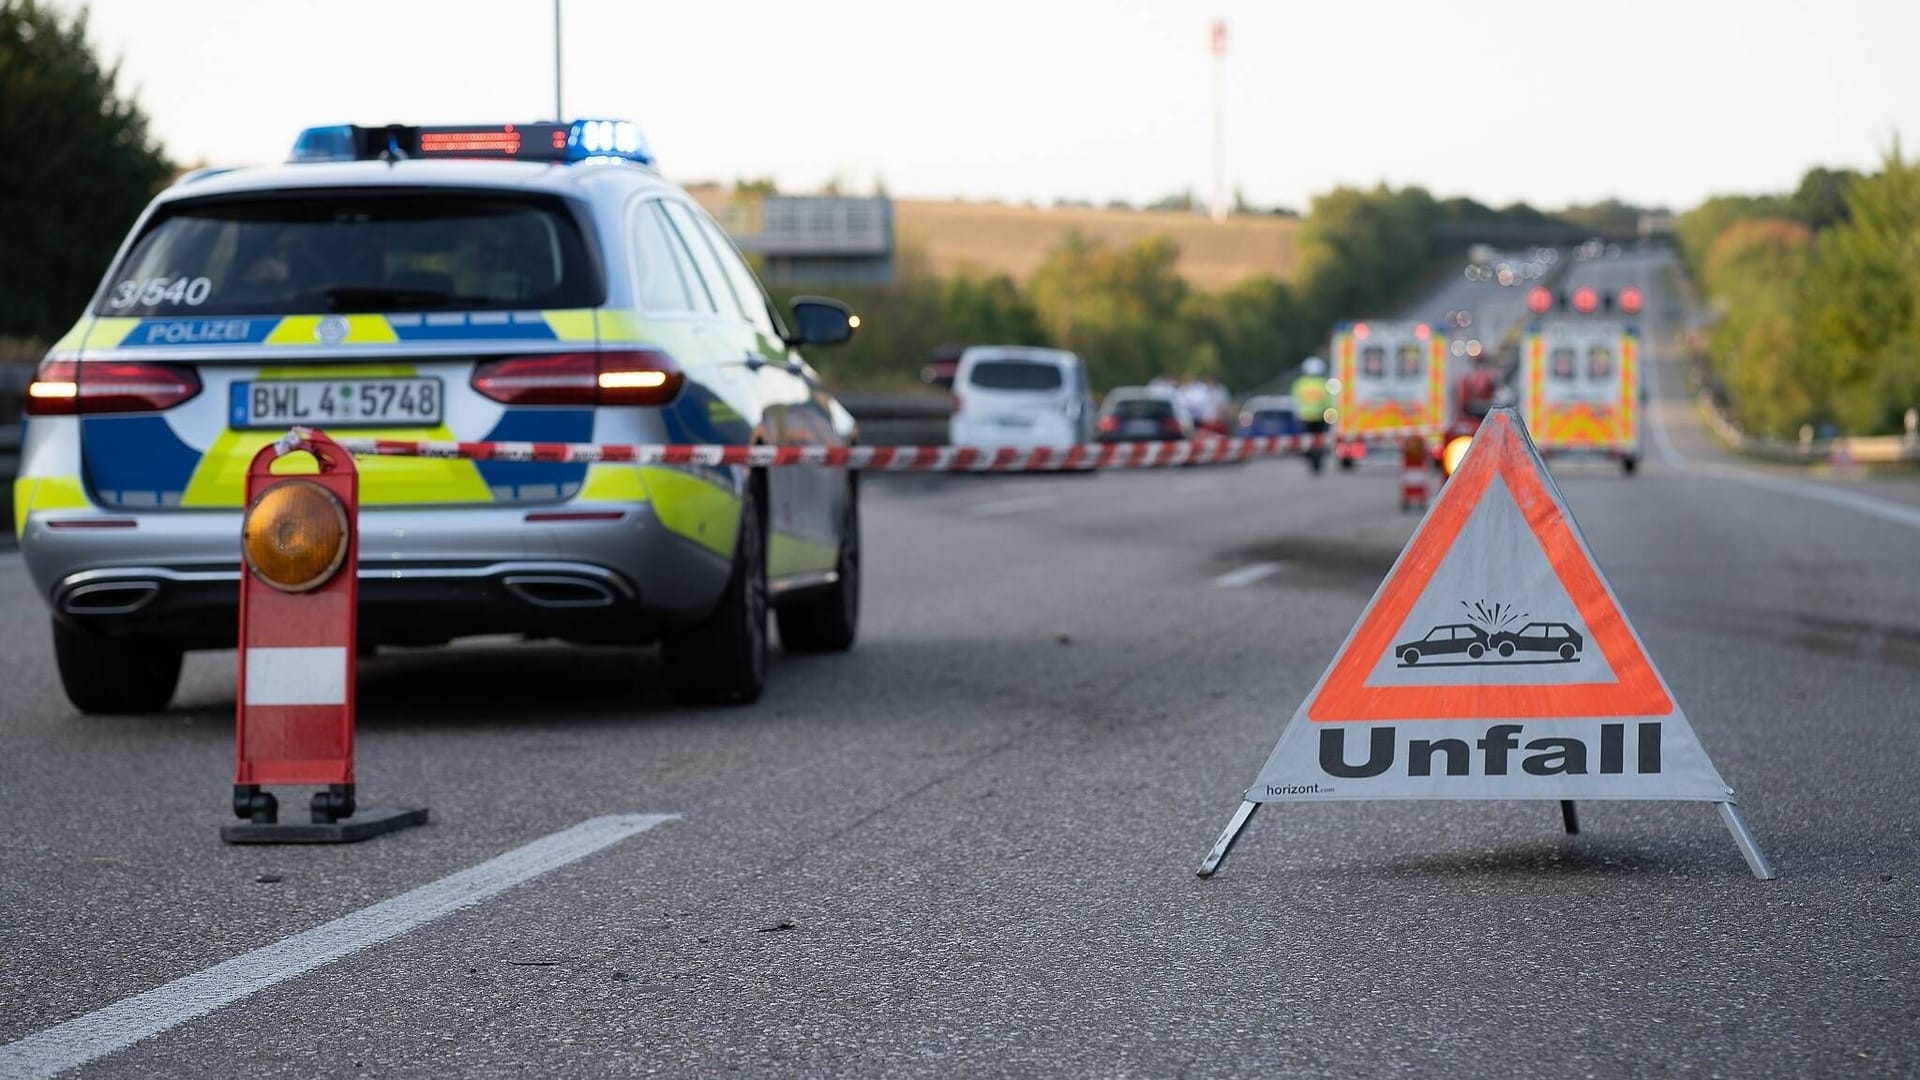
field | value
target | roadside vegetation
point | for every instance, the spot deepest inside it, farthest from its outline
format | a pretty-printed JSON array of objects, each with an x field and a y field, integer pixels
[
  {"x": 1816, "y": 297},
  {"x": 1128, "y": 312},
  {"x": 80, "y": 166}
]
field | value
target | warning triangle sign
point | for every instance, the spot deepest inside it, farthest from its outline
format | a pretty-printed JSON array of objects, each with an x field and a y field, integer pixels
[{"x": 1494, "y": 662}]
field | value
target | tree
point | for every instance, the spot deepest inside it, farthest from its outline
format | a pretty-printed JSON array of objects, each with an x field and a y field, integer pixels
[
  {"x": 1697, "y": 229},
  {"x": 1861, "y": 310},
  {"x": 1362, "y": 251},
  {"x": 1752, "y": 273},
  {"x": 1118, "y": 308},
  {"x": 754, "y": 189},
  {"x": 78, "y": 168},
  {"x": 1608, "y": 217},
  {"x": 1821, "y": 199},
  {"x": 1255, "y": 330},
  {"x": 1179, "y": 200}
]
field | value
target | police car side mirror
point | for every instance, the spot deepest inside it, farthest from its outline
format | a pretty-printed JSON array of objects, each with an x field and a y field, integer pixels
[{"x": 818, "y": 320}]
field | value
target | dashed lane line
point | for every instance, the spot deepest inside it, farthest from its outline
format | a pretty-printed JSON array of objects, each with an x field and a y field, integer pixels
[
  {"x": 120, "y": 1025},
  {"x": 1004, "y": 507},
  {"x": 1250, "y": 574}
]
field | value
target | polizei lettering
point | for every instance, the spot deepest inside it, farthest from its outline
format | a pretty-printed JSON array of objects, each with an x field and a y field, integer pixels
[
  {"x": 1499, "y": 752},
  {"x": 197, "y": 331}
]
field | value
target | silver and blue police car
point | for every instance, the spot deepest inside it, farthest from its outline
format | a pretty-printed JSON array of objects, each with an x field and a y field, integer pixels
[{"x": 512, "y": 282}]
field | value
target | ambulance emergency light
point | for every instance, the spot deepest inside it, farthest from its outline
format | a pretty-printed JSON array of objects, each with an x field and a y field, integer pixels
[{"x": 580, "y": 140}]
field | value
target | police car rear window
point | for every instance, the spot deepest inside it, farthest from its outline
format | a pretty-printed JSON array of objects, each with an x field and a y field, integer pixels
[
  {"x": 1141, "y": 408},
  {"x": 1015, "y": 375},
  {"x": 356, "y": 252}
]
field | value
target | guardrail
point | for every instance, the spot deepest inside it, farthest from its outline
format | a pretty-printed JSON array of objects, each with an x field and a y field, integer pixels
[
  {"x": 1862, "y": 450},
  {"x": 896, "y": 419}
]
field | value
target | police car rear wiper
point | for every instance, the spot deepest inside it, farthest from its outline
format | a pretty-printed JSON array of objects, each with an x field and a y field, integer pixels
[{"x": 381, "y": 297}]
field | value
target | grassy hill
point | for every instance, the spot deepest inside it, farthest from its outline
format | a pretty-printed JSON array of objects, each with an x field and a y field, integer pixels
[
  {"x": 991, "y": 238},
  {"x": 1012, "y": 240}
]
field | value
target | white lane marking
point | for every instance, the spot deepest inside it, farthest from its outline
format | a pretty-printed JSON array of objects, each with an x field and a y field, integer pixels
[
  {"x": 120, "y": 1025},
  {"x": 1249, "y": 574},
  {"x": 301, "y": 675},
  {"x": 1884, "y": 509},
  {"x": 1003, "y": 507}
]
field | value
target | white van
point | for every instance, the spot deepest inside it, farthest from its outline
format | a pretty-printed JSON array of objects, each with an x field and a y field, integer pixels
[{"x": 1015, "y": 395}]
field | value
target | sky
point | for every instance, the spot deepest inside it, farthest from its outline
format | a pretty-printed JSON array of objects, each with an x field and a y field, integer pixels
[{"x": 1547, "y": 101}]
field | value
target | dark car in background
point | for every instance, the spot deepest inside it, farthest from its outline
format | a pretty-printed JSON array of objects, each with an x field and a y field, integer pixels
[
  {"x": 1267, "y": 415},
  {"x": 1143, "y": 414},
  {"x": 941, "y": 366}
]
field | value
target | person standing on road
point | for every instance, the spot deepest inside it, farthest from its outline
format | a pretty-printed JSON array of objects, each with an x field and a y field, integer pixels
[
  {"x": 1313, "y": 404},
  {"x": 1198, "y": 400}
]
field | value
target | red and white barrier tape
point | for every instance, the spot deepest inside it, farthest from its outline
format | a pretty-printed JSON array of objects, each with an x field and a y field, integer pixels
[{"x": 1123, "y": 455}]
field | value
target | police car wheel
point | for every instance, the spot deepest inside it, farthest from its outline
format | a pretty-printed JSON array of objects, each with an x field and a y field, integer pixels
[
  {"x": 114, "y": 675},
  {"x": 722, "y": 660},
  {"x": 1628, "y": 464},
  {"x": 830, "y": 622},
  {"x": 1347, "y": 464}
]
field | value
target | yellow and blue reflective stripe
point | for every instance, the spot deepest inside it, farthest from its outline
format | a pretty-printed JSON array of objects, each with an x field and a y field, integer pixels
[
  {"x": 35, "y": 493},
  {"x": 309, "y": 331}
]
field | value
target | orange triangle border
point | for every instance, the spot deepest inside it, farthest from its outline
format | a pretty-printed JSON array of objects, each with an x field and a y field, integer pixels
[{"x": 1344, "y": 697}]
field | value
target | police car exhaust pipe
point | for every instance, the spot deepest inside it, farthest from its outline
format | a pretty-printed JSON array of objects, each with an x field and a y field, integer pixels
[
  {"x": 109, "y": 598},
  {"x": 559, "y": 591}
]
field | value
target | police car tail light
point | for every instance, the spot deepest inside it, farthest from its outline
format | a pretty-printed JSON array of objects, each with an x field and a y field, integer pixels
[
  {"x": 638, "y": 377},
  {"x": 68, "y": 387},
  {"x": 1585, "y": 299},
  {"x": 1630, "y": 300},
  {"x": 1539, "y": 300},
  {"x": 616, "y": 377}
]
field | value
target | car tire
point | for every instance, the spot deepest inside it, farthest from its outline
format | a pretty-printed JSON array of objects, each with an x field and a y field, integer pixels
[
  {"x": 1410, "y": 657},
  {"x": 112, "y": 676},
  {"x": 722, "y": 660},
  {"x": 1476, "y": 650},
  {"x": 1628, "y": 464},
  {"x": 1567, "y": 651},
  {"x": 830, "y": 621},
  {"x": 1506, "y": 648},
  {"x": 1347, "y": 464}
]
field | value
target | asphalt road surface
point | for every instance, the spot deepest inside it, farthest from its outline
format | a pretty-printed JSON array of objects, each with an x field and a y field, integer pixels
[{"x": 968, "y": 847}]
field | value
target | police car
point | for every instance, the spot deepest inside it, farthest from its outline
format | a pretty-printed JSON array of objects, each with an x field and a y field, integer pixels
[{"x": 512, "y": 282}]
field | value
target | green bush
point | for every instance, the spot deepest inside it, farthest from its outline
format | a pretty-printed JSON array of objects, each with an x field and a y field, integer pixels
[
  {"x": 78, "y": 170},
  {"x": 1819, "y": 299}
]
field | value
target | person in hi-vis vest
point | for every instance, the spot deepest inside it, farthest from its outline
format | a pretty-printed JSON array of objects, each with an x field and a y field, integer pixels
[{"x": 1313, "y": 404}]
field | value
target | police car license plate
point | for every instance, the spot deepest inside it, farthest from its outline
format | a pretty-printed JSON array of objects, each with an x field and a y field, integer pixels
[{"x": 338, "y": 403}]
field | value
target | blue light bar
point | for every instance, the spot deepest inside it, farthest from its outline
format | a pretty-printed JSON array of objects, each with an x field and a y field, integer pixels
[{"x": 579, "y": 141}]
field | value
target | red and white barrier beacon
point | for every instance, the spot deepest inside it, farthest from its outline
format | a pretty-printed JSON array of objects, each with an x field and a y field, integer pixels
[{"x": 299, "y": 597}]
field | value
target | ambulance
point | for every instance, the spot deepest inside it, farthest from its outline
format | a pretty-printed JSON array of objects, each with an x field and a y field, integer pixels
[
  {"x": 1389, "y": 375},
  {"x": 1581, "y": 384}
]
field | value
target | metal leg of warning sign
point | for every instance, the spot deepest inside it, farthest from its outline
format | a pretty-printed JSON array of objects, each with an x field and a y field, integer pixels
[
  {"x": 1569, "y": 818},
  {"x": 1225, "y": 844},
  {"x": 1743, "y": 838}
]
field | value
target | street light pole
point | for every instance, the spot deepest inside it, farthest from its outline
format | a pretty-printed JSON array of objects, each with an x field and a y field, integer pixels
[
  {"x": 559, "y": 115},
  {"x": 1219, "y": 44}
]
